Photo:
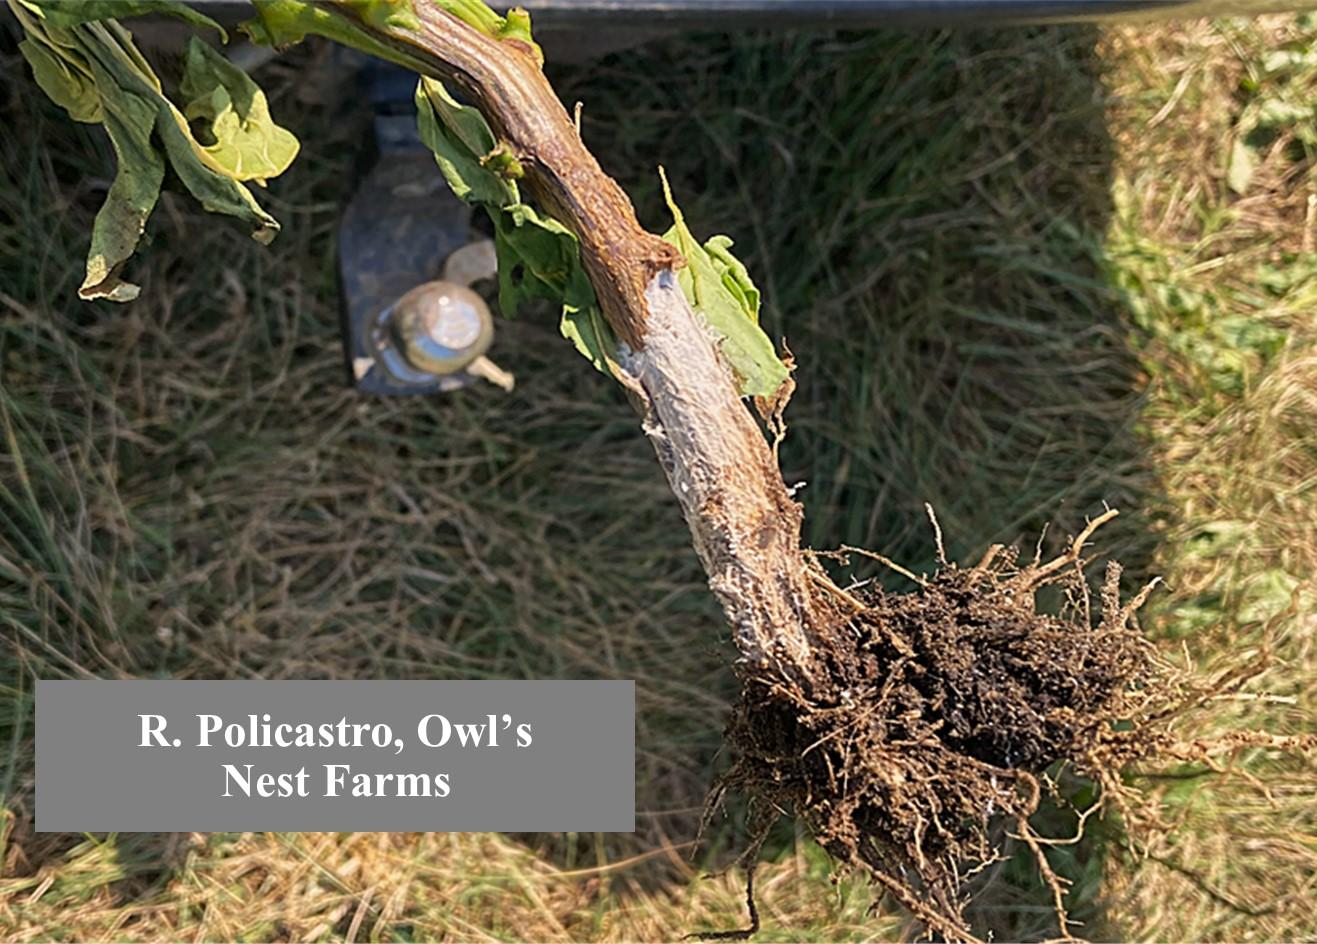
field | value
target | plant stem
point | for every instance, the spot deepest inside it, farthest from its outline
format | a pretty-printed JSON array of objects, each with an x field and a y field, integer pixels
[{"x": 744, "y": 524}]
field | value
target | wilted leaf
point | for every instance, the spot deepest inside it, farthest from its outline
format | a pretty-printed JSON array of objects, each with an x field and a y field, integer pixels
[
  {"x": 248, "y": 144},
  {"x": 718, "y": 287},
  {"x": 77, "y": 12},
  {"x": 140, "y": 170},
  {"x": 217, "y": 191},
  {"x": 94, "y": 70},
  {"x": 538, "y": 257},
  {"x": 62, "y": 80},
  {"x": 459, "y": 137}
]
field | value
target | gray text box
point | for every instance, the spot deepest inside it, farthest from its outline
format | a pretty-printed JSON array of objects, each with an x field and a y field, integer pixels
[{"x": 509, "y": 756}]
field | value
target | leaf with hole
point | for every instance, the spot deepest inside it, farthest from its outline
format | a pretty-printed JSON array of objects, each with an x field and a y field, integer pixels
[{"x": 247, "y": 144}]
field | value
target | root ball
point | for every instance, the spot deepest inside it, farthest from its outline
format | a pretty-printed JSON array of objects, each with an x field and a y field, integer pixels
[{"x": 929, "y": 718}]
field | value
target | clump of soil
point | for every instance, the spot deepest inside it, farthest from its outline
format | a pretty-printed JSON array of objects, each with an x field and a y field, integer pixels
[{"x": 931, "y": 716}]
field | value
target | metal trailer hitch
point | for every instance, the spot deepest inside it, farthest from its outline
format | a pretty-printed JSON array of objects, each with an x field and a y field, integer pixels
[{"x": 412, "y": 324}]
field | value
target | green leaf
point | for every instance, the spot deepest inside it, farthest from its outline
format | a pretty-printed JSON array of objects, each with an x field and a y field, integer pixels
[
  {"x": 130, "y": 200},
  {"x": 589, "y": 332},
  {"x": 77, "y": 12},
  {"x": 473, "y": 13},
  {"x": 459, "y": 138},
  {"x": 63, "y": 82},
  {"x": 538, "y": 257},
  {"x": 515, "y": 26},
  {"x": 718, "y": 286},
  {"x": 281, "y": 23},
  {"x": 385, "y": 14},
  {"x": 248, "y": 144}
]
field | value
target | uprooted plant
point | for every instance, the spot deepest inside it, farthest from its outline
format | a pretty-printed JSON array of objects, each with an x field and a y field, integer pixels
[
  {"x": 904, "y": 728},
  {"x": 937, "y": 714}
]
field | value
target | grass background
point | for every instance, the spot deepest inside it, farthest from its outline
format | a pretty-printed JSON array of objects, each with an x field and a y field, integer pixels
[{"x": 1024, "y": 272}]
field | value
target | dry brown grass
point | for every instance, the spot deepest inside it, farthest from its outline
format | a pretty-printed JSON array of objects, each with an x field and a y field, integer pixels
[
  {"x": 365, "y": 886},
  {"x": 1234, "y": 384},
  {"x": 998, "y": 307}
]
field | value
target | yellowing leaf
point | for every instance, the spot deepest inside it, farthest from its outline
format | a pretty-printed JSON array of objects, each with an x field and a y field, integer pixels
[
  {"x": 92, "y": 68},
  {"x": 248, "y": 144}
]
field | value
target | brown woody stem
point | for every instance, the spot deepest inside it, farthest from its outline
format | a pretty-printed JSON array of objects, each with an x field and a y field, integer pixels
[{"x": 744, "y": 524}]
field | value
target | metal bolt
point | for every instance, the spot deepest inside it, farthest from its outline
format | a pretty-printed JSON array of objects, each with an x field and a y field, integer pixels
[
  {"x": 441, "y": 327},
  {"x": 438, "y": 333}
]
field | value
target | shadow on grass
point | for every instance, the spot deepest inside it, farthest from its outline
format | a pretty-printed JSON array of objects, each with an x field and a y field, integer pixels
[{"x": 201, "y": 498}]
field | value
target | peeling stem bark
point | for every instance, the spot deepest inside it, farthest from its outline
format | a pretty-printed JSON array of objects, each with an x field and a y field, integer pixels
[{"x": 744, "y": 524}]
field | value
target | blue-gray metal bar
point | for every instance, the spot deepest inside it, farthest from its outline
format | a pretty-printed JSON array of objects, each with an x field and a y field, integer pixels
[{"x": 696, "y": 14}]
